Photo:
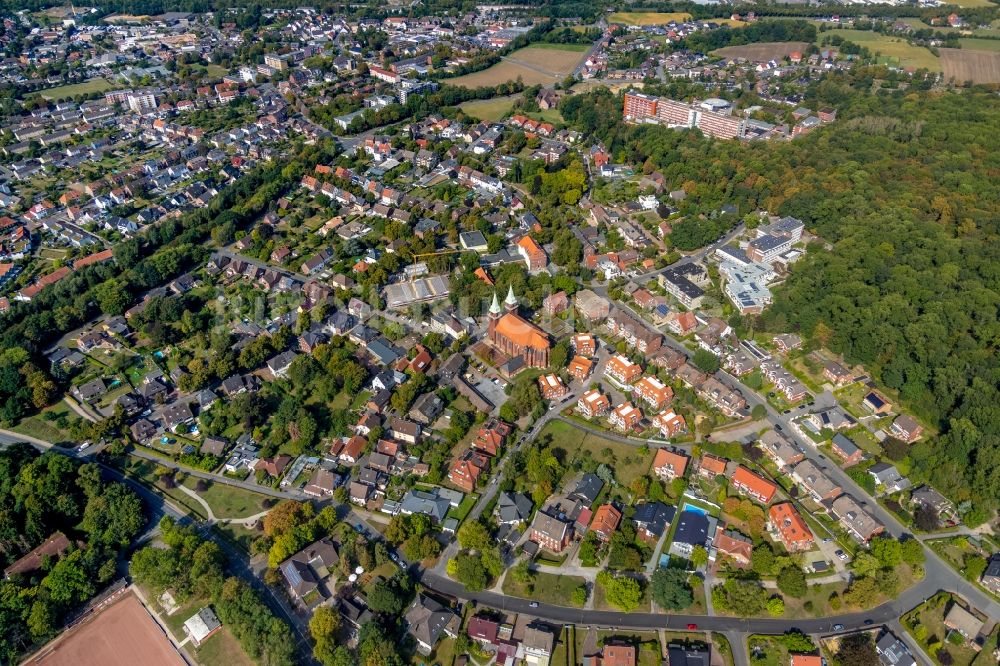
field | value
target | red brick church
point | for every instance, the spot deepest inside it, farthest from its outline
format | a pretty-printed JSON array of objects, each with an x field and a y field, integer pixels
[{"x": 514, "y": 336}]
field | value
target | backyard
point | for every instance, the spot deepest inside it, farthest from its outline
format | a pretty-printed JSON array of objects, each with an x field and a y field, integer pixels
[{"x": 925, "y": 624}]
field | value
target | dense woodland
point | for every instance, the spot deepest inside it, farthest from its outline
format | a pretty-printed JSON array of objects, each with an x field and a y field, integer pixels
[
  {"x": 903, "y": 189},
  {"x": 39, "y": 496}
]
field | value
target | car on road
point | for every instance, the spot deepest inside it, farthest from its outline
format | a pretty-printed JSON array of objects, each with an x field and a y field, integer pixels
[
  {"x": 838, "y": 627},
  {"x": 869, "y": 622},
  {"x": 533, "y": 604},
  {"x": 777, "y": 427},
  {"x": 692, "y": 626},
  {"x": 841, "y": 554}
]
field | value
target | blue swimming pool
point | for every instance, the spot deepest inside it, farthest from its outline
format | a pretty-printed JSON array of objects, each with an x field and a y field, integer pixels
[{"x": 694, "y": 509}]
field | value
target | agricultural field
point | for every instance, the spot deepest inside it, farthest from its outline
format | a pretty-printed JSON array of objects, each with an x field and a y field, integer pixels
[
  {"x": 647, "y": 18},
  {"x": 535, "y": 65},
  {"x": 74, "y": 89},
  {"x": 762, "y": 52},
  {"x": 973, "y": 44},
  {"x": 893, "y": 50},
  {"x": 976, "y": 66}
]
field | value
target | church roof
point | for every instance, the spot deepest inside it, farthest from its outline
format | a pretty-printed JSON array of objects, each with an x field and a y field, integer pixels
[{"x": 521, "y": 332}]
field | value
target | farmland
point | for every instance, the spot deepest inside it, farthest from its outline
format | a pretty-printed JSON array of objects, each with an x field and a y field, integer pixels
[
  {"x": 647, "y": 18},
  {"x": 533, "y": 64},
  {"x": 894, "y": 50},
  {"x": 973, "y": 44},
  {"x": 74, "y": 89},
  {"x": 762, "y": 52},
  {"x": 976, "y": 66}
]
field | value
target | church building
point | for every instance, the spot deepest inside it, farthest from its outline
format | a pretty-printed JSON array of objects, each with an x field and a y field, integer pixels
[{"x": 514, "y": 336}]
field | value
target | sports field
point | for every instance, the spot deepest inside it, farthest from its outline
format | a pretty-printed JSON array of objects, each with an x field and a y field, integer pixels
[
  {"x": 893, "y": 50},
  {"x": 542, "y": 65},
  {"x": 74, "y": 89},
  {"x": 647, "y": 18},
  {"x": 123, "y": 634},
  {"x": 976, "y": 66}
]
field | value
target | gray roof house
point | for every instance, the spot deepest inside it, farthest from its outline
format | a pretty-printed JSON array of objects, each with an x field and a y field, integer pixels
[
  {"x": 426, "y": 620},
  {"x": 431, "y": 504},
  {"x": 513, "y": 508},
  {"x": 588, "y": 488}
]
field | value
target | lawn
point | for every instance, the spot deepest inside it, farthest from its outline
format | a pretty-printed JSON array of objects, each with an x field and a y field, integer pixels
[
  {"x": 74, "y": 89},
  {"x": 490, "y": 110},
  {"x": 647, "y": 18},
  {"x": 767, "y": 650},
  {"x": 549, "y": 588},
  {"x": 228, "y": 501},
  {"x": 625, "y": 459},
  {"x": 925, "y": 624},
  {"x": 894, "y": 50},
  {"x": 237, "y": 534},
  {"x": 463, "y": 509},
  {"x": 222, "y": 648},
  {"x": 43, "y": 425},
  {"x": 216, "y": 71},
  {"x": 548, "y": 115}
]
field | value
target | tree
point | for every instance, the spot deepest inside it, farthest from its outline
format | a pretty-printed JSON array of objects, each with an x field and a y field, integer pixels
[
  {"x": 384, "y": 597},
  {"x": 926, "y": 518},
  {"x": 775, "y": 606},
  {"x": 758, "y": 412},
  {"x": 706, "y": 361},
  {"x": 473, "y": 535},
  {"x": 745, "y": 598},
  {"x": 323, "y": 627},
  {"x": 621, "y": 592},
  {"x": 912, "y": 551},
  {"x": 762, "y": 559},
  {"x": 862, "y": 593},
  {"x": 469, "y": 571},
  {"x": 887, "y": 550},
  {"x": 670, "y": 589},
  {"x": 792, "y": 581},
  {"x": 857, "y": 650},
  {"x": 580, "y": 595},
  {"x": 699, "y": 557},
  {"x": 114, "y": 517}
]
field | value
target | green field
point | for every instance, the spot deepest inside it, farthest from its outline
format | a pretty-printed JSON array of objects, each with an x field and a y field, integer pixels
[
  {"x": 43, "y": 425},
  {"x": 490, "y": 110},
  {"x": 973, "y": 44},
  {"x": 892, "y": 50},
  {"x": 579, "y": 48},
  {"x": 625, "y": 459},
  {"x": 74, "y": 89},
  {"x": 228, "y": 501},
  {"x": 647, "y": 18},
  {"x": 550, "y": 588}
]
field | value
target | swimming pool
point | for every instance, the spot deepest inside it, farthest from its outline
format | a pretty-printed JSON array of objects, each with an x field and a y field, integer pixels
[{"x": 693, "y": 509}]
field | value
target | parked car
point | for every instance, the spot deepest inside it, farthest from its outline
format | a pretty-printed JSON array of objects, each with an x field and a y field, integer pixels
[
  {"x": 692, "y": 626},
  {"x": 841, "y": 554},
  {"x": 838, "y": 627}
]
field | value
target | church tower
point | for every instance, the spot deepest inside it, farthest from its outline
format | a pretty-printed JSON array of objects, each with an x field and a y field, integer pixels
[
  {"x": 493, "y": 317},
  {"x": 511, "y": 301}
]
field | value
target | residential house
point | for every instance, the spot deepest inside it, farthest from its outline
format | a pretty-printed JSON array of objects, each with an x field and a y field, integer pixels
[
  {"x": 550, "y": 532},
  {"x": 991, "y": 575},
  {"x": 964, "y": 621},
  {"x": 587, "y": 489},
  {"x": 491, "y": 437},
  {"x": 892, "y": 651},
  {"x": 483, "y": 630},
  {"x": 837, "y": 374},
  {"x": 593, "y": 403},
  {"x": 669, "y": 465},
  {"x": 305, "y": 570},
  {"x": 887, "y": 478},
  {"x": 688, "y": 654},
  {"x": 350, "y": 452},
  {"x": 466, "y": 470},
  {"x": 625, "y": 417},
  {"x": 788, "y": 527},
  {"x": 404, "y": 431},
  {"x": 583, "y": 344},
  {"x": 652, "y": 519},
  {"x": 875, "y": 403},
  {"x": 427, "y": 620},
  {"x": 580, "y": 368},
  {"x": 538, "y": 643},
  {"x": 613, "y": 654},
  {"x": 814, "y": 482},
  {"x": 735, "y": 546},
  {"x": 622, "y": 370},
  {"x": 606, "y": 521},
  {"x": 513, "y": 508},
  {"x": 711, "y": 466},
  {"x": 670, "y": 423},
  {"x": 846, "y": 449},
  {"x": 431, "y": 504},
  {"x": 321, "y": 484},
  {"x": 694, "y": 528},
  {"x": 552, "y": 387},
  {"x": 273, "y": 466},
  {"x": 757, "y": 487},
  {"x": 782, "y": 452},
  {"x": 853, "y": 518},
  {"x": 280, "y": 364},
  {"x": 653, "y": 392},
  {"x": 906, "y": 428}
]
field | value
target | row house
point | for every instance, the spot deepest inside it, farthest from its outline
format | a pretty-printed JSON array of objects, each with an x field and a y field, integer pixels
[
  {"x": 725, "y": 399},
  {"x": 853, "y": 518},
  {"x": 783, "y": 453},
  {"x": 784, "y": 381},
  {"x": 633, "y": 332}
]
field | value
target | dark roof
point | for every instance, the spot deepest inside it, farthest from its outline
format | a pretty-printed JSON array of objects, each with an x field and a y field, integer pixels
[
  {"x": 588, "y": 488},
  {"x": 678, "y": 655},
  {"x": 654, "y": 516},
  {"x": 692, "y": 528}
]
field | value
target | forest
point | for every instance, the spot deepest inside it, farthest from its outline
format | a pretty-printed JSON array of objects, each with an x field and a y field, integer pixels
[
  {"x": 40, "y": 495},
  {"x": 903, "y": 192}
]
